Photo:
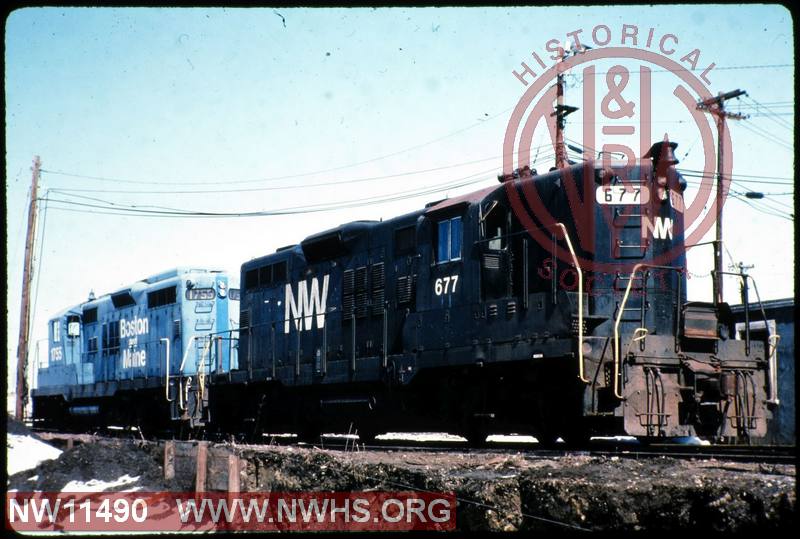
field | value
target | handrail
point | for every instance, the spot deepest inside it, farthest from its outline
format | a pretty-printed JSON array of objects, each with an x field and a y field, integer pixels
[
  {"x": 772, "y": 363},
  {"x": 580, "y": 302},
  {"x": 200, "y": 365},
  {"x": 197, "y": 369},
  {"x": 773, "y": 357},
  {"x": 636, "y": 268},
  {"x": 772, "y": 341},
  {"x": 186, "y": 354},
  {"x": 616, "y": 328},
  {"x": 166, "y": 370},
  {"x": 638, "y": 334}
]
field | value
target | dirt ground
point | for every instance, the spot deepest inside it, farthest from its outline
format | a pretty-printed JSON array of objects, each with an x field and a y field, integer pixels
[
  {"x": 510, "y": 492},
  {"x": 496, "y": 491}
]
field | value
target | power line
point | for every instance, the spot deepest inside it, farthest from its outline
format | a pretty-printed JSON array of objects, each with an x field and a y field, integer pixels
[
  {"x": 283, "y": 187},
  {"x": 716, "y": 68},
  {"x": 735, "y": 178},
  {"x": 766, "y": 136},
  {"x": 700, "y": 173},
  {"x": 112, "y": 208},
  {"x": 767, "y": 203},
  {"x": 288, "y": 176},
  {"x": 461, "y": 182},
  {"x": 770, "y": 114},
  {"x": 779, "y": 214},
  {"x": 785, "y": 103}
]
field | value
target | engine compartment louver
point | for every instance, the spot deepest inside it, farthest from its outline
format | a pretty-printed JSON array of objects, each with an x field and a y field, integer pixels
[
  {"x": 348, "y": 282},
  {"x": 361, "y": 279},
  {"x": 377, "y": 301},
  {"x": 405, "y": 288},
  {"x": 361, "y": 304},
  {"x": 378, "y": 275}
]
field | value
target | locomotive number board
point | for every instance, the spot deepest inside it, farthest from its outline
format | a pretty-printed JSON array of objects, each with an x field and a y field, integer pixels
[{"x": 622, "y": 194}]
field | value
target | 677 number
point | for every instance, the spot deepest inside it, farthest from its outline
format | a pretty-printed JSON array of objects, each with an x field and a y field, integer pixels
[{"x": 442, "y": 285}]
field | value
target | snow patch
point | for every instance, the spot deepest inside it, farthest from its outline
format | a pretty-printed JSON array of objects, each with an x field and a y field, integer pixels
[
  {"x": 512, "y": 438},
  {"x": 26, "y": 453},
  {"x": 421, "y": 437},
  {"x": 691, "y": 440},
  {"x": 626, "y": 439},
  {"x": 96, "y": 485}
]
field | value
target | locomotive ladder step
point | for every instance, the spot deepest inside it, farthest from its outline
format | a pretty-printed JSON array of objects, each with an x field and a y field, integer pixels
[{"x": 621, "y": 282}]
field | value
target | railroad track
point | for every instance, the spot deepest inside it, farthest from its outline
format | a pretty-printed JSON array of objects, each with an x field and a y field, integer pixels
[
  {"x": 730, "y": 453},
  {"x": 755, "y": 454}
]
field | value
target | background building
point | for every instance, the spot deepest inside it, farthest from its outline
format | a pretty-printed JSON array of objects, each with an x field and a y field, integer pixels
[{"x": 780, "y": 320}]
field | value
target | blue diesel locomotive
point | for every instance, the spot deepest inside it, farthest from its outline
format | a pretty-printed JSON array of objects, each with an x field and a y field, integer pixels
[{"x": 140, "y": 356}]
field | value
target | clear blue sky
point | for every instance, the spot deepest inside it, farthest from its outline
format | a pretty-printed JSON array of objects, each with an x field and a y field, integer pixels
[{"x": 220, "y": 98}]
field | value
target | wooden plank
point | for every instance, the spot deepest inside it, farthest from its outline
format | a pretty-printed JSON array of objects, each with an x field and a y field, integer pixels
[
  {"x": 55, "y": 436},
  {"x": 201, "y": 461},
  {"x": 185, "y": 449},
  {"x": 169, "y": 459},
  {"x": 217, "y": 471},
  {"x": 233, "y": 473}
]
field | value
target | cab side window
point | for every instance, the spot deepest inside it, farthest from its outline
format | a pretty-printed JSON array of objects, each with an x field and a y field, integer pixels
[
  {"x": 448, "y": 240},
  {"x": 495, "y": 227}
]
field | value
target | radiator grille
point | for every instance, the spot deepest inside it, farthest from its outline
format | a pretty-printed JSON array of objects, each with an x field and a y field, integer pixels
[
  {"x": 361, "y": 279},
  {"x": 405, "y": 289},
  {"x": 377, "y": 301},
  {"x": 348, "y": 282},
  {"x": 361, "y": 304},
  {"x": 348, "y": 304},
  {"x": 378, "y": 276}
]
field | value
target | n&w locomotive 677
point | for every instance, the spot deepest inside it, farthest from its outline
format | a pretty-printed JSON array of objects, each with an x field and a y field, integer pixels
[{"x": 457, "y": 317}]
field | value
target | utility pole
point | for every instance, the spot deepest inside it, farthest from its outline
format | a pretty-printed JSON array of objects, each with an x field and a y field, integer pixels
[
  {"x": 716, "y": 107},
  {"x": 24, "y": 317},
  {"x": 562, "y": 110}
]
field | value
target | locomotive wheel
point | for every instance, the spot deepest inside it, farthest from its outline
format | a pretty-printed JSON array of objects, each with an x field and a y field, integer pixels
[
  {"x": 547, "y": 440},
  {"x": 476, "y": 433},
  {"x": 366, "y": 435},
  {"x": 184, "y": 430},
  {"x": 577, "y": 435},
  {"x": 310, "y": 433},
  {"x": 577, "y": 440},
  {"x": 477, "y": 438}
]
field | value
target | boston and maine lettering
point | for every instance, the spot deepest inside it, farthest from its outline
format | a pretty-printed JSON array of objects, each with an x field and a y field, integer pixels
[{"x": 131, "y": 330}]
